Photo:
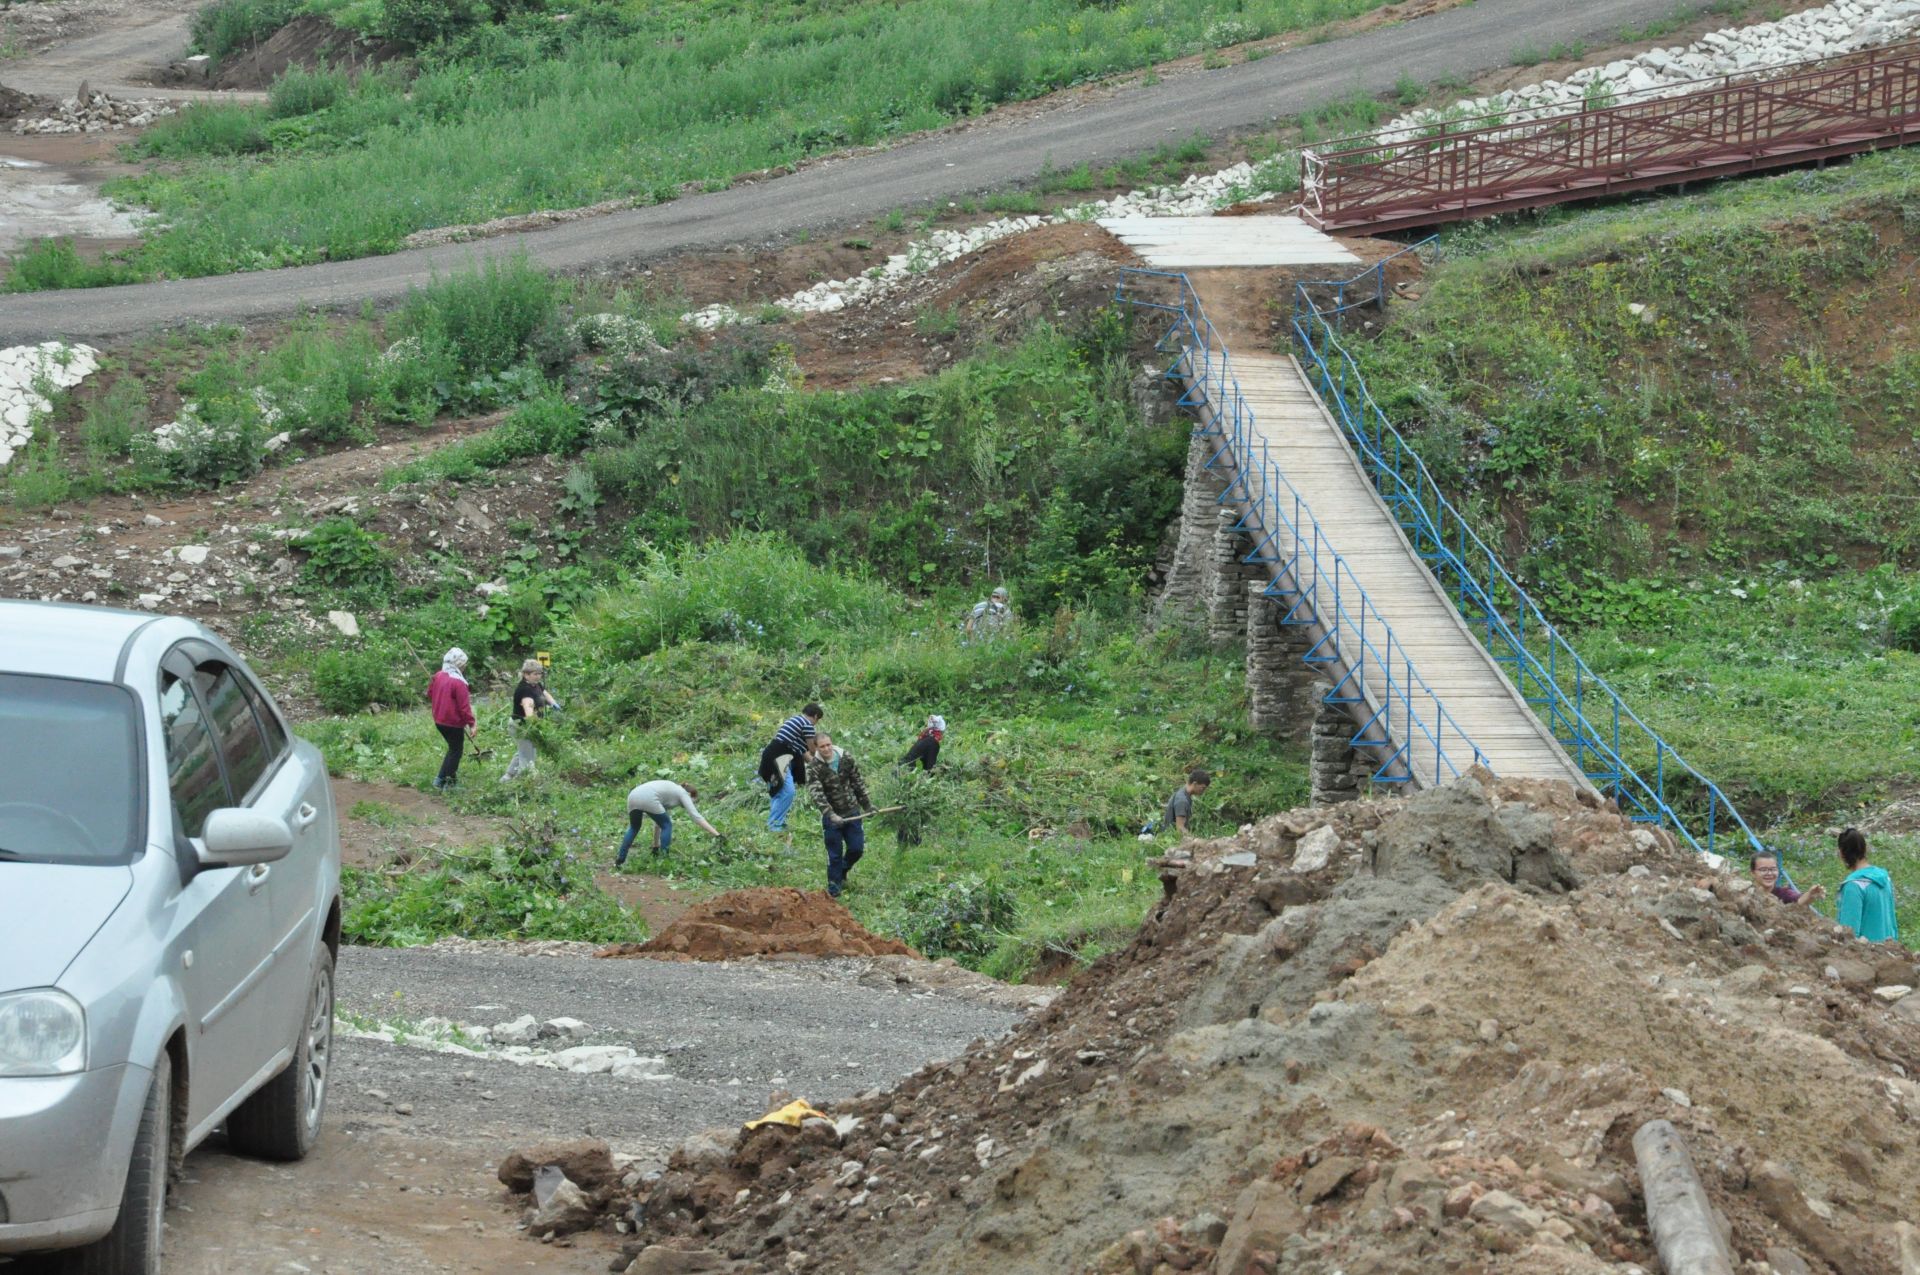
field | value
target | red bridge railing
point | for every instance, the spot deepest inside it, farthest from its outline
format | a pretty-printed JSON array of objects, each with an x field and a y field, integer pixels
[{"x": 1485, "y": 165}]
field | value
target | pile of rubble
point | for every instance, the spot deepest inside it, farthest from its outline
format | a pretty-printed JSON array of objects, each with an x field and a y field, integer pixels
[
  {"x": 1466, "y": 1041},
  {"x": 91, "y": 111},
  {"x": 27, "y": 372}
]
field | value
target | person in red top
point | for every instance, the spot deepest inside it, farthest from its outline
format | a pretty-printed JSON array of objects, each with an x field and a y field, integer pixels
[{"x": 452, "y": 712}]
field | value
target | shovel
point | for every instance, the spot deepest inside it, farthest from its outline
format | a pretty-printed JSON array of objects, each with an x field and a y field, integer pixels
[{"x": 884, "y": 810}]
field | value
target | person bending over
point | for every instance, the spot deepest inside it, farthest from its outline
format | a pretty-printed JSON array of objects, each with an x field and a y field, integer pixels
[{"x": 652, "y": 800}]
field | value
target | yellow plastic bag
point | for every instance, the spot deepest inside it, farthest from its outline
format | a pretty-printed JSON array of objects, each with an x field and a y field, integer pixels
[{"x": 793, "y": 1114}]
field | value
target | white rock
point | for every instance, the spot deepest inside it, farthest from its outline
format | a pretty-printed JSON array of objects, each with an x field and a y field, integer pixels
[
  {"x": 1893, "y": 992},
  {"x": 1315, "y": 850},
  {"x": 591, "y": 1060},
  {"x": 345, "y": 622},
  {"x": 193, "y": 555},
  {"x": 518, "y": 1032},
  {"x": 1678, "y": 1097},
  {"x": 572, "y": 1028}
]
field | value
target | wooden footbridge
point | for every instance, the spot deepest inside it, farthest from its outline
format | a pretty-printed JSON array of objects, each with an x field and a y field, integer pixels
[{"x": 1422, "y": 636}]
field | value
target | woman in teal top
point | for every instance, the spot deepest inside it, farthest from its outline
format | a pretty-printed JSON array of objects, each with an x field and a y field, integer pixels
[{"x": 1866, "y": 896}]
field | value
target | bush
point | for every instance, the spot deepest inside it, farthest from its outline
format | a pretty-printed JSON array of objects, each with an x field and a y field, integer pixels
[
  {"x": 419, "y": 23},
  {"x": 345, "y": 555},
  {"x": 1903, "y": 626},
  {"x": 300, "y": 91},
  {"x": 110, "y": 422},
  {"x": 753, "y": 589},
  {"x": 963, "y": 918},
  {"x": 350, "y": 681},
  {"x": 483, "y": 317},
  {"x": 527, "y": 889},
  {"x": 53, "y": 263},
  {"x": 226, "y": 26}
]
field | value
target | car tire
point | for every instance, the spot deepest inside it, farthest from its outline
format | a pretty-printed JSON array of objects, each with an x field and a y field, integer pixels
[
  {"x": 281, "y": 1121},
  {"x": 132, "y": 1247}
]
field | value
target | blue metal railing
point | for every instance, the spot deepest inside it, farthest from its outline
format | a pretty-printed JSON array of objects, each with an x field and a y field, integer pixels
[
  {"x": 1371, "y": 283},
  {"x": 1400, "y": 717},
  {"x": 1622, "y": 755}
]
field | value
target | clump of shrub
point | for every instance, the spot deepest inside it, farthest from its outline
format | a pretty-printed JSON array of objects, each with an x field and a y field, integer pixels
[
  {"x": 529, "y": 888},
  {"x": 345, "y": 555},
  {"x": 482, "y": 318},
  {"x": 964, "y": 918},
  {"x": 55, "y": 263},
  {"x": 351, "y": 681}
]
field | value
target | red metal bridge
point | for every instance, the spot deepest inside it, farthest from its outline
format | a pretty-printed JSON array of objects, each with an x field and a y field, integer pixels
[{"x": 1485, "y": 165}]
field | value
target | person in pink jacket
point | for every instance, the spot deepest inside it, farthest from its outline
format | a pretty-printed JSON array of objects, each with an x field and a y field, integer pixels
[{"x": 452, "y": 712}]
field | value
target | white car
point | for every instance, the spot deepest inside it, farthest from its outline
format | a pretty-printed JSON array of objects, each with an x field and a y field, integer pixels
[{"x": 169, "y": 918}]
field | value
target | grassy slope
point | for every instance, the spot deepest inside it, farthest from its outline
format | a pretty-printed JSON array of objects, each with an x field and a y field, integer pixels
[
  {"x": 1064, "y": 739},
  {"x": 631, "y": 101},
  {"x": 1717, "y": 494}
]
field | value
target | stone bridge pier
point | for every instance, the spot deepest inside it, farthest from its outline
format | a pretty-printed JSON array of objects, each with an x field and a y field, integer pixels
[{"x": 1210, "y": 588}]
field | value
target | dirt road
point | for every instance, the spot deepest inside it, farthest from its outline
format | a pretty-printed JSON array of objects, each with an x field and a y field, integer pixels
[
  {"x": 1465, "y": 40},
  {"x": 403, "y": 1183}
]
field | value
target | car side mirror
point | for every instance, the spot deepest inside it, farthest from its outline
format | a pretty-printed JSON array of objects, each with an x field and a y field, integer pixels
[{"x": 234, "y": 837}]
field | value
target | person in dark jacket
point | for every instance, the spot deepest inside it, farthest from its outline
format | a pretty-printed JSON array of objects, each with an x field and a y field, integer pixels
[
  {"x": 836, "y": 785},
  {"x": 791, "y": 742},
  {"x": 452, "y": 712},
  {"x": 925, "y": 752}
]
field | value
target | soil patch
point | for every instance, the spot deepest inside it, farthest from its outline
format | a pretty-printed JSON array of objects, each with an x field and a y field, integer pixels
[
  {"x": 389, "y": 825},
  {"x": 15, "y": 104},
  {"x": 656, "y": 900},
  {"x": 308, "y": 42},
  {"x": 768, "y": 921}
]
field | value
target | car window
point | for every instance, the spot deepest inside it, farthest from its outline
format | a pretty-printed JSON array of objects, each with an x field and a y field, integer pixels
[
  {"x": 269, "y": 724},
  {"x": 234, "y": 726},
  {"x": 193, "y": 769},
  {"x": 70, "y": 779}
]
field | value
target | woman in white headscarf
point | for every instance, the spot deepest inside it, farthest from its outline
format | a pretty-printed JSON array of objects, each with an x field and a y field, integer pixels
[{"x": 452, "y": 712}]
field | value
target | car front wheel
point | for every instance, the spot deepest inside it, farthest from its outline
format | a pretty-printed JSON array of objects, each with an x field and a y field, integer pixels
[
  {"x": 132, "y": 1247},
  {"x": 282, "y": 1120}
]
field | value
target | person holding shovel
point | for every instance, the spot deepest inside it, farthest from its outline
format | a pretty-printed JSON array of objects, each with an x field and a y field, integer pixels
[
  {"x": 452, "y": 702},
  {"x": 834, "y": 780}
]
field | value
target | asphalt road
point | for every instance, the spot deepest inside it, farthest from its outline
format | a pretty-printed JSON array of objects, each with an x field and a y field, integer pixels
[{"x": 1465, "y": 40}]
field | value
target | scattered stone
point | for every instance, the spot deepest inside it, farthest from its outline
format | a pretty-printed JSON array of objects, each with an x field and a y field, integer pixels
[
  {"x": 1678, "y": 1097},
  {"x": 1497, "y": 1208},
  {"x": 564, "y": 1209},
  {"x": 345, "y": 622},
  {"x": 1315, "y": 850},
  {"x": 193, "y": 555},
  {"x": 588, "y": 1162},
  {"x": 1897, "y": 992}
]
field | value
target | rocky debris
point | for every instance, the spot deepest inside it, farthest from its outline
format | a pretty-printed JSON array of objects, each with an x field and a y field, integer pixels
[
  {"x": 1830, "y": 31},
  {"x": 769, "y": 922},
  {"x": 1432, "y": 1053},
  {"x": 14, "y": 104},
  {"x": 25, "y": 372},
  {"x": 520, "y": 1042},
  {"x": 91, "y": 111},
  {"x": 587, "y": 1161}
]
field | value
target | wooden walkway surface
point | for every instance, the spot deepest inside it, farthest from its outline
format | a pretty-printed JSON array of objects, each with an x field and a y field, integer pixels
[{"x": 1310, "y": 450}]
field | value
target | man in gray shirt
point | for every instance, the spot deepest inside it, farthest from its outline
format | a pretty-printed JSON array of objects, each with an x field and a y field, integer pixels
[{"x": 1180, "y": 805}]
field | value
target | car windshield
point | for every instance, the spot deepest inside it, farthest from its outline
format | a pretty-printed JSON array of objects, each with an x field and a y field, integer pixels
[{"x": 69, "y": 772}]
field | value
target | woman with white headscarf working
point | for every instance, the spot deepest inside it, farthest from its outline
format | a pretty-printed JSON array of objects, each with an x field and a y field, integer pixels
[{"x": 452, "y": 712}]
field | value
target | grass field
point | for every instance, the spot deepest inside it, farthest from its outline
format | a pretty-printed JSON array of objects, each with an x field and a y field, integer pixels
[{"x": 623, "y": 101}]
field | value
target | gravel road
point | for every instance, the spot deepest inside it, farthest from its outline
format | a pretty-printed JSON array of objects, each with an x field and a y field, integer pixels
[
  {"x": 414, "y": 1193},
  {"x": 729, "y": 1033},
  {"x": 1465, "y": 40}
]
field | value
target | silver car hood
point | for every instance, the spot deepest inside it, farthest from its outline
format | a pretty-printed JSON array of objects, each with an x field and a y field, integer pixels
[{"x": 48, "y": 912}]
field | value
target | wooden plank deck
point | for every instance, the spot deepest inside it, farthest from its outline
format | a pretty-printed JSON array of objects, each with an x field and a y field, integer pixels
[
  {"x": 1184, "y": 243},
  {"x": 1309, "y": 449}
]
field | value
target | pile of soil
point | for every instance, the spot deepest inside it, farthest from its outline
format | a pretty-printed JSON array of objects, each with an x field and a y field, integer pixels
[
  {"x": 769, "y": 922},
  {"x": 17, "y": 105},
  {"x": 308, "y": 42},
  {"x": 1427, "y": 1048}
]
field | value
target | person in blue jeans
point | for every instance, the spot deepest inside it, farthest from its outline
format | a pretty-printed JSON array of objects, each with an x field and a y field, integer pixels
[
  {"x": 837, "y": 788},
  {"x": 790, "y": 743},
  {"x": 652, "y": 800}
]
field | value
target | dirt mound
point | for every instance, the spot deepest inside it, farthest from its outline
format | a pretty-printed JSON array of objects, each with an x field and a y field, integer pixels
[
  {"x": 769, "y": 921},
  {"x": 1387, "y": 1037},
  {"x": 305, "y": 42},
  {"x": 17, "y": 105}
]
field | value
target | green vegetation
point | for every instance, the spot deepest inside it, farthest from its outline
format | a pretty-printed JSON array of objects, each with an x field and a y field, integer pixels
[
  {"x": 1064, "y": 737},
  {"x": 516, "y": 110}
]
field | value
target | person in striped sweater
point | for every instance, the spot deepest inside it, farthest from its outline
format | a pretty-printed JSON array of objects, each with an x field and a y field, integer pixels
[{"x": 783, "y": 764}]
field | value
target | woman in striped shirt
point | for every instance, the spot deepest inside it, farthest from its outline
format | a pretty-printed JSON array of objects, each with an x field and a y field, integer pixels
[{"x": 790, "y": 744}]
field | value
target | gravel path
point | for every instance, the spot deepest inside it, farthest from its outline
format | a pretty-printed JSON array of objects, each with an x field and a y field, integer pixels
[
  {"x": 1466, "y": 40},
  {"x": 729, "y": 1033}
]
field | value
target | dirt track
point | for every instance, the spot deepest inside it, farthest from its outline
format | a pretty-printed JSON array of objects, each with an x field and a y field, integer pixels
[
  {"x": 413, "y": 1193},
  {"x": 1465, "y": 40}
]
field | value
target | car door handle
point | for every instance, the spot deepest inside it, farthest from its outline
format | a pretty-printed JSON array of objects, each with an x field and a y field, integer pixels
[
  {"x": 257, "y": 877},
  {"x": 303, "y": 818}
]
